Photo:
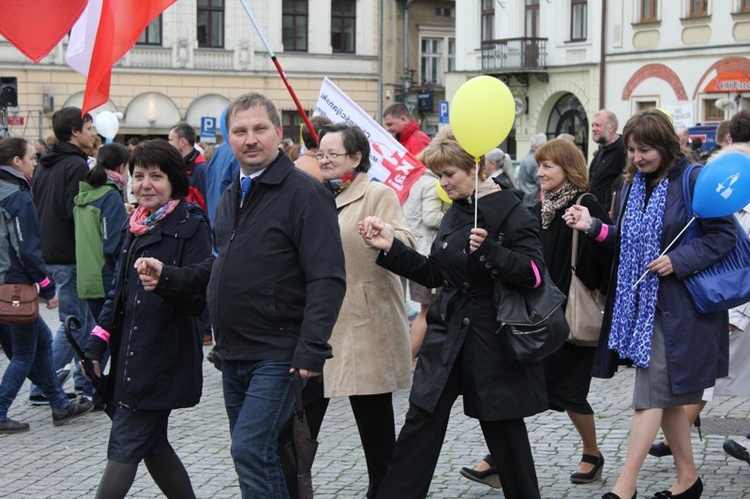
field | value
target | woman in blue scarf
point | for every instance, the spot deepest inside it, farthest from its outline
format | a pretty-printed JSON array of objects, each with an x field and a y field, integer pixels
[{"x": 653, "y": 323}]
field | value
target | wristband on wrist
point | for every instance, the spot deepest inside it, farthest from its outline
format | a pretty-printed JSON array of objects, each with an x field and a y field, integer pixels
[{"x": 590, "y": 229}]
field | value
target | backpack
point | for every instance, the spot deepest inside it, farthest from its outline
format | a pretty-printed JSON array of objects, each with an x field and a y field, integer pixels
[
  {"x": 8, "y": 240},
  {"x": 195, "y": 196}
]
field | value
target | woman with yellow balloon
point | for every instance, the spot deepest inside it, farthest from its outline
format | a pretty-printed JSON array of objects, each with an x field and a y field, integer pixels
[{"x": 461, "y": 353}]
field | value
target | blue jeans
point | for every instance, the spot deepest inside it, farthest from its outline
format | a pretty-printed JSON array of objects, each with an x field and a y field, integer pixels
[
  {"x": 30, "y": 352},
  {"x": 67, "y": 294},
  {"x": 259, "y": 400}
]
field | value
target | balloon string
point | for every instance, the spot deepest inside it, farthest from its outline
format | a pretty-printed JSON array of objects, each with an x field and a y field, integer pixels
[{"x": 476, "y": 190}]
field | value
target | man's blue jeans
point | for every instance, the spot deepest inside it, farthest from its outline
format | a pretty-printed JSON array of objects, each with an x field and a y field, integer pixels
[
  {"x": 30, "y": 353},
  {"x": 69, "y": 304},
  {"x": 259, "y": 400}
]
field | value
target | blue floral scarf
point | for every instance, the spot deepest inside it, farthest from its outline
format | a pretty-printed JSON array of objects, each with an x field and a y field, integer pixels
[{"x": 640, "y": 243}]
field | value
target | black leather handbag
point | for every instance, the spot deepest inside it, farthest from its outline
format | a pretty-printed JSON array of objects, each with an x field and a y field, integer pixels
[{"x": 531, "y": 322}]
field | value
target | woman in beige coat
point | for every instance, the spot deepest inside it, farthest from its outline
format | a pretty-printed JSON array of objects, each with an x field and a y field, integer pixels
[{"x": 371, "y": 352}]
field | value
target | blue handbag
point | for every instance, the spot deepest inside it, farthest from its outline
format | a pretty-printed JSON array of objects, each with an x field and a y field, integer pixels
[{"x": 725, "y": 284}]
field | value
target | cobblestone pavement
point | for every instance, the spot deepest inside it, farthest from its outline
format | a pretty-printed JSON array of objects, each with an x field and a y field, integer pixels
[{"x": 67, "y": 461}]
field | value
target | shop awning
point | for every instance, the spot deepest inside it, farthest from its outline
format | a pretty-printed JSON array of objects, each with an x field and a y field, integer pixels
[{"x": 730, "y": 81}]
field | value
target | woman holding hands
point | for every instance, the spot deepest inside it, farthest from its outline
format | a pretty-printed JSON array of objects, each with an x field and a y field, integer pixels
[
  {"x": 461, "y": 353},
  {"x": 652, "y": 322}
]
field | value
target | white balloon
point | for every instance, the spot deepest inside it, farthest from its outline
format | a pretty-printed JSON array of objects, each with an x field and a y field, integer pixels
[{"x": 107, "y": 124}]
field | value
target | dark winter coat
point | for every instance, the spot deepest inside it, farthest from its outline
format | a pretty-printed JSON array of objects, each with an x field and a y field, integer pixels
[
  {"x": 55, "y": 186},
  {"x": 697, "y": 344},
  {"x": 606, "y": 167},
  {"x": 21, "y": 254},
  {"x": 462, "y": 320},
  {"x": 279, "y": 279},
  {"x": 594, "y": 262},
  {"x": 156, "y": 340}
]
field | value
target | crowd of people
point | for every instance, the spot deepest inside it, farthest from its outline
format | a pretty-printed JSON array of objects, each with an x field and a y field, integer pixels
[{"x": 154, "y": 246}]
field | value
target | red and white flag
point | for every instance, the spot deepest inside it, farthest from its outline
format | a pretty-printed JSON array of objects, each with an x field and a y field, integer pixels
[
  {"x": 106, "y": 31},
  {"x": 35, "y": 28}
]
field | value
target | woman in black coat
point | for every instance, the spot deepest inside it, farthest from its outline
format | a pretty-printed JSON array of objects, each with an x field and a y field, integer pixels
[
  {"x": 156, "y": 340},
  {"x": 462, "y": 353},
  {"x": 563, "y": 176}
]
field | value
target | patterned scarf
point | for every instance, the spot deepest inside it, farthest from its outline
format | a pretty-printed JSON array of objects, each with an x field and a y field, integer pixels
[
  {"x": 339, "y": 185},
  {"x": 117, "y": 179},
  {"x": 142, "y": 220},
  {"x": 635, "y": 308},
  {"x": 553, "y": 201}
]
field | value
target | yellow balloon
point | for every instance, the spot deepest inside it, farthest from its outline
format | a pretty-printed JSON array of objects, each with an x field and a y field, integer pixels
[
  {"x": 667, "y": 114},
  {"x": 442, "y": 194},
  {"x": 482, "y": 114}
]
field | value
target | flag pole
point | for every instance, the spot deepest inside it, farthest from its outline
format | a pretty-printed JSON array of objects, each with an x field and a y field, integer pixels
[{"x": 280, "y": 70}]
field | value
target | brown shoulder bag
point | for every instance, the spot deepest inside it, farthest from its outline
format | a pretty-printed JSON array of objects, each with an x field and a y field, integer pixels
[{"x": 19, "y": 303}]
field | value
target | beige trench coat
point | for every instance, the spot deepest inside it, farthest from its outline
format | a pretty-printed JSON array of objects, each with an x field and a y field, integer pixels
[{"x": 371, "y": 352}]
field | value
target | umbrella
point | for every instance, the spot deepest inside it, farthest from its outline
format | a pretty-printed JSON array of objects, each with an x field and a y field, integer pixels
[
  {"x": 99, "y": 383},
  {"x": 301, "y": 449}
]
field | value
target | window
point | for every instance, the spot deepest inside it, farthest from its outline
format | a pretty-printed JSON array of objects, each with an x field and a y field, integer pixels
[
  {"x": 745, "y": 6},
  {"x": 645, "y": 104},
  {"x": 578, "y": 19},
  {"x": 698, "y": 8},
  {"x": 343, "y": 24},
  {"x": 152, "y": 34},
  {"x": 292, "y": 122},
  {"x": 443, "y": 12},
  {"x": 294, "y": 25},
  {"x": 648, "y": 11},
  {"x": 488, "y": 20},
  {"x": 710, "y": 112},
  {"x": 435, "y": 59},
  {"x": 451, "y": 55},
  {"x": 432, "y": 53},
  {"x": 211, "y": 23},
  {"x": 532, "y": 19}
]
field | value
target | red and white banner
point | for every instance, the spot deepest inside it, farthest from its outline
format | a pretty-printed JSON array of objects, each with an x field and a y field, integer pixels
[{"x": 390, "y": 162}]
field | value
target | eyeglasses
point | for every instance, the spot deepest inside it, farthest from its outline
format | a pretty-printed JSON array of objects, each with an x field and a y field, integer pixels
[{"x": 328, "y": 155}]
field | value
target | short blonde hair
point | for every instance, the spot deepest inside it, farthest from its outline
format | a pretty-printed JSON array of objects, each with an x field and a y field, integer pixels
[{"x": 444, "y": 150}]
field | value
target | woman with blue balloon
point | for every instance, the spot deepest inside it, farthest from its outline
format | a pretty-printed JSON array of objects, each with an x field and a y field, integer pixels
[{"x": 650, "y": 320}]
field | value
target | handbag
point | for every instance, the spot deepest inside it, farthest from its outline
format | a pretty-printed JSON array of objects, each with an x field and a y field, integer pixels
[
  {"x": 19, "y": 303},
  {"x": 531, "y": 322},
  {"x": 585, "y": 308},
  {"x": 725, "y": 284}
]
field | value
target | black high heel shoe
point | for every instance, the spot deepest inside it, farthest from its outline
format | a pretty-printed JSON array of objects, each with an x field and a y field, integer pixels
[
  {"x": 694, "y": 492},
  {"x": 612, "y": 495},
  {"x": 594, "y": 474},
  {"x": 487, "y": 477}
]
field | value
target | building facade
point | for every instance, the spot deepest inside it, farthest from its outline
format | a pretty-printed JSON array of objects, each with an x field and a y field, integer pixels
[
  {"x": 197, "y": 55},
  {"x": 688, "y": 57},
  {"x": 566, "y": 59}
]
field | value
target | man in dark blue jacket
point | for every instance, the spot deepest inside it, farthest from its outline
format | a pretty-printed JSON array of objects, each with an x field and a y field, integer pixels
[
  {"x": 274, "y": 292},
  {"x": 55, "y": 185}
]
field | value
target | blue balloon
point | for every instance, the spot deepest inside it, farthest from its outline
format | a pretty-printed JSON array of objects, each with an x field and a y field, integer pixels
[
  {"x": 723, "y": 186},
  {"x": 223, "y": 124}
]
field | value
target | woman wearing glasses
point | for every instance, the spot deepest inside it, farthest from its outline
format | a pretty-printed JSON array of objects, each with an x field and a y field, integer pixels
[{"x": 371, "y": 352}]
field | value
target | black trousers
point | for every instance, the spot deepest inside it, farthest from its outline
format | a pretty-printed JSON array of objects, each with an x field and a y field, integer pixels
[
  {"x": 418, "y": 449},
  {"x": 375, "y": 422}
]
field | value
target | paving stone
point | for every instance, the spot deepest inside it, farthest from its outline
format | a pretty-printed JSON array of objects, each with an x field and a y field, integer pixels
[{"x": 66, "y": 462}]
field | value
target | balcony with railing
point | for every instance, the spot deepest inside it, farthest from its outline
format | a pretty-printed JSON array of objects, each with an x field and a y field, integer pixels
[{"x": 517, "y": 54}]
